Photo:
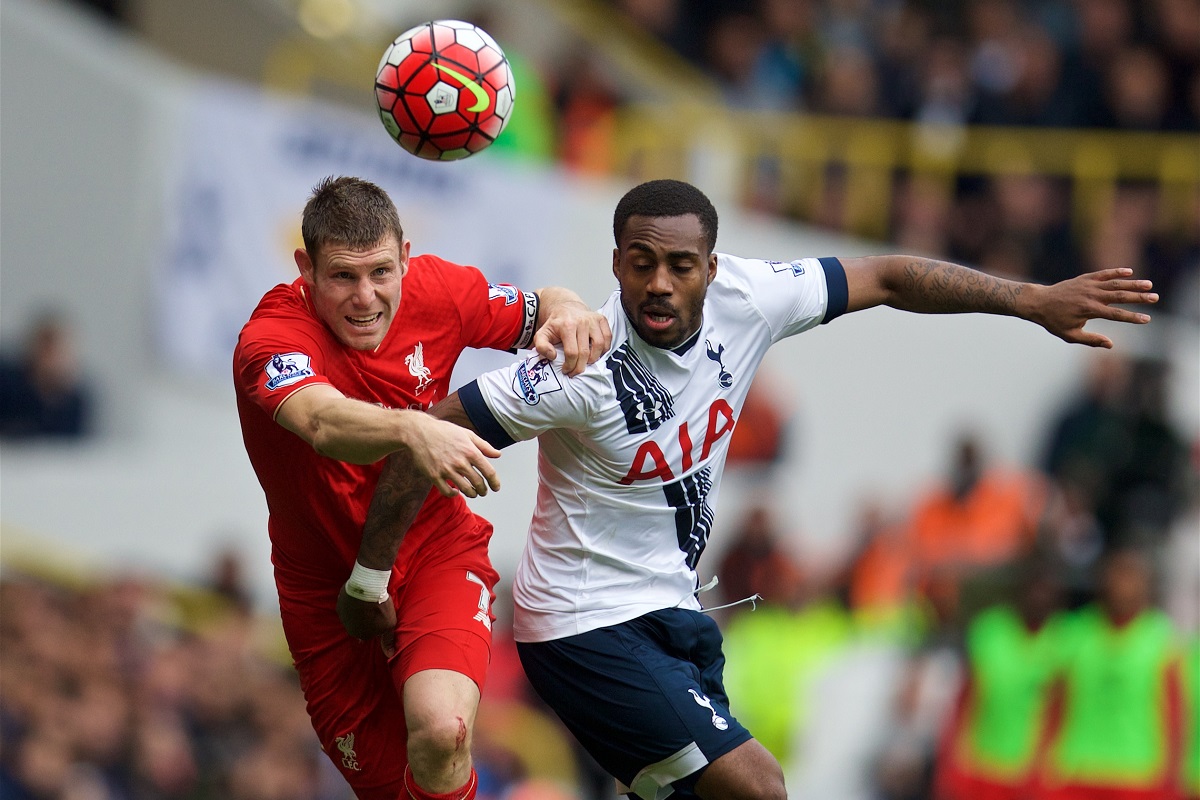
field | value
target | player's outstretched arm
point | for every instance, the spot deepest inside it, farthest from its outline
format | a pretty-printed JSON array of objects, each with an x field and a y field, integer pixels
[
  {"x": 452, "y": 459},
  {"x": 563, "y": 318},
  {"x": 927, "y": 286}
]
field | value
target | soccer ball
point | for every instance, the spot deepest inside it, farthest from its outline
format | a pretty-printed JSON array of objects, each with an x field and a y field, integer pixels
[{"x": 445, "y": 90}]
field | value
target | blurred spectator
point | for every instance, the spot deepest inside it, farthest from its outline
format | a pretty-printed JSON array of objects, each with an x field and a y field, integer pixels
[
  {"x": 904, "y": 38},
  {"x": 1138, "y": 91},
  {"x": 1089, "y": 427},
  {"x": 43, "y": 392},
  {"x": 1072, "y": 533},
  {"x": 1018, "y": 71},
  {"x": 944, "y": 93},
  {"x": 922, "y": 703},
  {"x": 531, "y": 130},
  {"x": 980, "y": 516},
  {"x": 785, "y": 62},
  {"x": 586, "y": 101},
  {"x": 1149, "y": 475},
  {"x": 681, "y": 26},
  {"x": 1102, "y": 28},
  {"x": 775, "y": 655},
  {"x": 761, "y": 433},
  {"x": 922, "y": 215},
  {"x": 228, "y": 580},
  {"x": 1118, "y": 732},
  {"x": 847, "y": 84},
  {"x": 756, "y": 563},
  {"x": 1033, "y": 217},
  {"x": 991, "y": 745}
]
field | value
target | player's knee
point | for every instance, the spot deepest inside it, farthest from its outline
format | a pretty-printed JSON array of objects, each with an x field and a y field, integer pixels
[{"x": 439, "y": 741}]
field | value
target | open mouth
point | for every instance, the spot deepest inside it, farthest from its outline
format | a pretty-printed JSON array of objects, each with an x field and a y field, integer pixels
[
  {"x": 657, "y": 318},
  {"x": 364, "y": 322}
]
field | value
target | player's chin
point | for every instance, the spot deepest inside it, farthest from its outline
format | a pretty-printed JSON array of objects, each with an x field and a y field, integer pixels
[{"x": 359, "y": 340}]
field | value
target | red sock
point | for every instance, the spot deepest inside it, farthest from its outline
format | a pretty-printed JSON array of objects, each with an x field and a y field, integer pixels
[{"x": 464, "y": 792}]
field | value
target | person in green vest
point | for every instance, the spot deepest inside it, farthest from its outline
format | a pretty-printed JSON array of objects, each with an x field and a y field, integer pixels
[
  {"x": 1118, "y": 733},
  {"x": 1012, "y": 652}
]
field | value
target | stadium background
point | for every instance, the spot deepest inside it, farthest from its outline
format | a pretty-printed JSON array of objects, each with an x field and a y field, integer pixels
[{"x": 155, "y": 159}]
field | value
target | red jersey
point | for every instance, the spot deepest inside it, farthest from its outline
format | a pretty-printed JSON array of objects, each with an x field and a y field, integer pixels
[{"x": 318, "y": 505}]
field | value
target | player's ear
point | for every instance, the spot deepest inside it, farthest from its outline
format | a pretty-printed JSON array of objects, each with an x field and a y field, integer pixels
[
  {"x": 305, "y": 264},
  {"x": 616, "y": 261},
  {"x": 405, "y": 248},
  {"x": 712, "y": 267}
]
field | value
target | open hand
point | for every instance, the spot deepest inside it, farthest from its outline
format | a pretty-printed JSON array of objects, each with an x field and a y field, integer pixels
[{"x": 1064, "y": 308}]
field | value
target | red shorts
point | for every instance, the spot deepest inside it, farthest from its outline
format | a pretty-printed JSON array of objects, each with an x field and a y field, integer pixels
[{"x": 354, "y": 694}]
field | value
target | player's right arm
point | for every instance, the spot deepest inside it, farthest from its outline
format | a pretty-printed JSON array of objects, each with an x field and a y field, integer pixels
[{"x": 336, "y": 426}]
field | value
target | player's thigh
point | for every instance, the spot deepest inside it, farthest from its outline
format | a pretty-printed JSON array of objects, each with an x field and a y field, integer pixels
[
  {"x": 444, "y": 618},
  {"x": 352, "y": 703},
  {"x": 643, "y": 697}
]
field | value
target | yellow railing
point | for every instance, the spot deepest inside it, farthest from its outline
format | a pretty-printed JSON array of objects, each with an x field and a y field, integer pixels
[{"x": 788, "y": 161}]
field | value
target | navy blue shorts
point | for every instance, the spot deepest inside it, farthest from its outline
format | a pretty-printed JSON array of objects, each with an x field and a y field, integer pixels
[{"x": 645, "y": 698}]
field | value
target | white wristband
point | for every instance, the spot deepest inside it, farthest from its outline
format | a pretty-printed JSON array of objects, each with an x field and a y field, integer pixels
[{"x": 368, "y": 585}]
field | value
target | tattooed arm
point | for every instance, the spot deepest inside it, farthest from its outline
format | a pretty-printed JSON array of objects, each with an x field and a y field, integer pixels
[
  {"x": 398, "y": 497},
  {"x": 926, "y": 286}
]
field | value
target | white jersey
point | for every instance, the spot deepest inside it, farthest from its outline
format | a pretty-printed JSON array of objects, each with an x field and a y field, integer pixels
[{"x": 631, "y": 451}]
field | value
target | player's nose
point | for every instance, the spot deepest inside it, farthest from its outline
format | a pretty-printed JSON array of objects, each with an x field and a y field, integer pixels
[
  {"x": 660, "y": 280},
  {"x": 364, "y": 292}
]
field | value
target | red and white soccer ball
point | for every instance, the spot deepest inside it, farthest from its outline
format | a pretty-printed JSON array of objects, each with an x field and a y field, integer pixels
[{"x": 445, "y": 90}]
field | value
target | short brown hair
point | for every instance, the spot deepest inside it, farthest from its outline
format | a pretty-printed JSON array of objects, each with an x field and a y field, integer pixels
[{"x": 348, "y": 211}]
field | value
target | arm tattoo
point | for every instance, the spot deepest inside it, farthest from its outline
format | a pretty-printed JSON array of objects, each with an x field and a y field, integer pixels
[
  {"x": 937, "y": 287},
  {"x": 398, "y": 497}
]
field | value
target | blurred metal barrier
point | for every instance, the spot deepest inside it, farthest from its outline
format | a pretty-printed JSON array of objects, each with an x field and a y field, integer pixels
[{"x": 817, "y": 167}]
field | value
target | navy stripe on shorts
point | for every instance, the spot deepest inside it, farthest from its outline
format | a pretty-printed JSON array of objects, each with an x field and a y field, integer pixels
[{"x": 645, "y": 697}]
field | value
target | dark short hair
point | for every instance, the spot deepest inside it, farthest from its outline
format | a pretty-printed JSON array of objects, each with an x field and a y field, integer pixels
[
  {"x": 348, "y": 211},
  {"x": 667, "y": 198}
]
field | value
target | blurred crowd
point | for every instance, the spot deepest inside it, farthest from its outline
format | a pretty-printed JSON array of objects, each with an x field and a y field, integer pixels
[
  {"x": 1058, "y": 63},
  {"x": 1012, "y": 631},
  {"x": 1127, "y": 65},
  {"x": 128, "y": 688}
]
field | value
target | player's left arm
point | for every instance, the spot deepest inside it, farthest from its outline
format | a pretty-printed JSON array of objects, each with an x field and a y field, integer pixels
[
  {"x": 927, "y": 286},
  {"x": 564, "y": 319},
  {"x": 398, "y": 497}
]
